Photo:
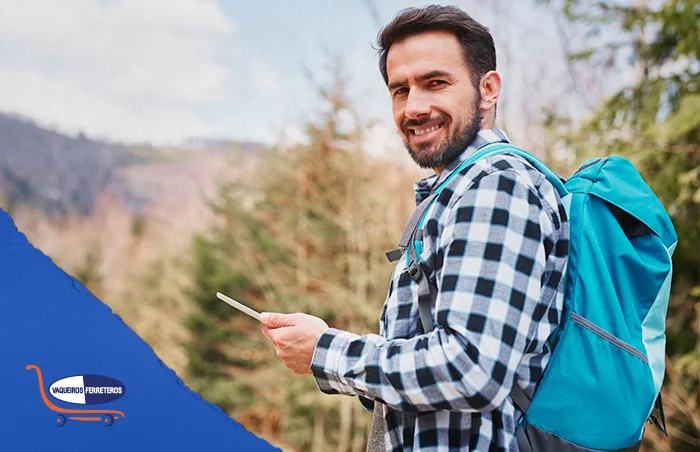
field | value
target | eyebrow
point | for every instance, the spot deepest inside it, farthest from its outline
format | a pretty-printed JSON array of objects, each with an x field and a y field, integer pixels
[{"x": 422, "y": 78}]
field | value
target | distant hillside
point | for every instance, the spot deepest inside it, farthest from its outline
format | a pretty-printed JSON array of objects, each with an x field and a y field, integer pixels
[
  {"x": 52, "y": 171},
  {"x": 60, "y": 174}
]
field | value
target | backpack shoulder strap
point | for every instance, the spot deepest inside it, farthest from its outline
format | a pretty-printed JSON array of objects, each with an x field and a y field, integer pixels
[
  {"x": 411, "y": 227},
  {"x": 412, "y": 240},
  {"x": 506, "y": 148}
]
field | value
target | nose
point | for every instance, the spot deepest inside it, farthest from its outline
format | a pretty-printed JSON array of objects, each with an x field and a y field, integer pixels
[{"x": 417, "y": 104}]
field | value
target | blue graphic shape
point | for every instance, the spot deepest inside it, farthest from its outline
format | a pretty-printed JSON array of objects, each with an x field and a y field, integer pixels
[
  {"x": 52, "y": 327},
  {"x": 100, "y": 389}
]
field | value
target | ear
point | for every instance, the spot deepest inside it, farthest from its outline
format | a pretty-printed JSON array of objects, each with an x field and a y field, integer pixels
[{"x": 490, "y": 87}]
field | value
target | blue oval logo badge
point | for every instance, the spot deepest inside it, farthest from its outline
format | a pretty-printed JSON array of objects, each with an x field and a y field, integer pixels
[{"x": 87, "y": 389}]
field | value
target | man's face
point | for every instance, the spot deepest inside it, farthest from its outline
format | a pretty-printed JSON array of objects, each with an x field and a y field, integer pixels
[{"x": 436, "y": 106}]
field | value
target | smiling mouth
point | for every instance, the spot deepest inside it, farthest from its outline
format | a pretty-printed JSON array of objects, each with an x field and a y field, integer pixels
[{"x": 425, "y": 130}]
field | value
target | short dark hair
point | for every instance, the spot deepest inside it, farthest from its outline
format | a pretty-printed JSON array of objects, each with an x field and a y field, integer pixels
[{"x": 477, "y": 43}]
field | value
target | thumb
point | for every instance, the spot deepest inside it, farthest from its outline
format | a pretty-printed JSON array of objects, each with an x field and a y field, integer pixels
[{"x": 276, "y": 320}]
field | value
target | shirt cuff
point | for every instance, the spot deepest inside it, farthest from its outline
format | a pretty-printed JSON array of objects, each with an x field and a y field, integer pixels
[{"x": 329, "y": 361}]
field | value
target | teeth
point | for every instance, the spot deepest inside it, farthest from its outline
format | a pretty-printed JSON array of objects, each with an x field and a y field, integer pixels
[{"x": 424, "y": 131}]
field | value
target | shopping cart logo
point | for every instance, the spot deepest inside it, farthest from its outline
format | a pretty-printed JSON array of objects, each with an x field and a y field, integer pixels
[
  {"x": 82, "y": 390},
  {"x": 87, "y": 389}
]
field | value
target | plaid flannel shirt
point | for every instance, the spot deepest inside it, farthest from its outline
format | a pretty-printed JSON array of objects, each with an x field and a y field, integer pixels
[{"x": 495, "y": 245}]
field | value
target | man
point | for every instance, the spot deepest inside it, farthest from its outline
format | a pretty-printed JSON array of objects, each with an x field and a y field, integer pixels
[{"x": 495, "y": 248}]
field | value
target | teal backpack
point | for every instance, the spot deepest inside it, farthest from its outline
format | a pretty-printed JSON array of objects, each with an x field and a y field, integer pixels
[{"x": 604, "y": 377}]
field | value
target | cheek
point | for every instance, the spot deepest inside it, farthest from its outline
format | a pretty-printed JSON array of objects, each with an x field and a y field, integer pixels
[
  {"x": 398, "y": 113},
  {"x": 458, "y": 114}
]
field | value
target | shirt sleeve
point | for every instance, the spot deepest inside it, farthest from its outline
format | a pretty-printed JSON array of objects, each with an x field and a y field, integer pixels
[{"x": 493, "y": 251}]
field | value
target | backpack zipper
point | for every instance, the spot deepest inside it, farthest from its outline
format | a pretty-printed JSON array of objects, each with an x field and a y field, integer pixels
[{"x": 598, "y": 331}]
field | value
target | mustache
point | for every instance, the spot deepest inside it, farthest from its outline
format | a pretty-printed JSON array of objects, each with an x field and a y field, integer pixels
[{"x": 422, "y": 122}]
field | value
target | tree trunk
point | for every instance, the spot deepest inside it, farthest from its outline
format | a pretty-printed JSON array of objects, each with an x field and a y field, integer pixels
[{"x": 319, "y": 440}]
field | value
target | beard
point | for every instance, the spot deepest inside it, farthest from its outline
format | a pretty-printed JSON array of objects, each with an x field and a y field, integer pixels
[{"x": 451, "y": 147}]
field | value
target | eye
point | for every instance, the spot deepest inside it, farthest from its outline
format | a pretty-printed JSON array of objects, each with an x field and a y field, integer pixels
[
  {"x": 436, "y": 83},
  {"x": 400, "y": 92}
]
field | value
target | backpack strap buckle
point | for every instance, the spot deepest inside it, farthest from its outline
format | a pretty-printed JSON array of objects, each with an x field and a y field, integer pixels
[
  {"x": 395, "y": 254},
  {"x": 410, "y": 230},
  {"x": 660, "y": 425},
  {"x": 415, "y": 271}
]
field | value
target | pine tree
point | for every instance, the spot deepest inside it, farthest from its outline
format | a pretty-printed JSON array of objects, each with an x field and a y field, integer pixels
[
  {"x": 303, "y": 231},
  {"x": 655, "y": 123}
]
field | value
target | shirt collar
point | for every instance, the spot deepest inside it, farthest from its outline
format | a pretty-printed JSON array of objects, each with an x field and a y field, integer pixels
[{"x": 424, "y": 186}]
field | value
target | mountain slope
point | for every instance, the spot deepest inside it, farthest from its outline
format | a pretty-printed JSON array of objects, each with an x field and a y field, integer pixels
[{"x": 52, "y": 171}]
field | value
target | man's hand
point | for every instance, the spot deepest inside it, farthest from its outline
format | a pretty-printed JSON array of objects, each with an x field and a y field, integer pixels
[{"x": 294, "y": 337}]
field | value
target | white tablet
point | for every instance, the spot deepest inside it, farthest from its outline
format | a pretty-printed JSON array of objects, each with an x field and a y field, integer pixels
[{"x": 240, "y": 306}]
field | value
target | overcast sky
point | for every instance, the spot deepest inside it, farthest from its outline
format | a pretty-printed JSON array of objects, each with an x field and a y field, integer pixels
[{"x": 167, "y": 70}]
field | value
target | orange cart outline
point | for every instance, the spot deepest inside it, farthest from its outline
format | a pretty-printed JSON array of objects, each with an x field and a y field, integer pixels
[{"x": 58, "y": 409}]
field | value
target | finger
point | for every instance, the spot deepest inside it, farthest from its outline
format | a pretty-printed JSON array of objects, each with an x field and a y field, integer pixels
[
  {"x": 277, "y": 320},
  {"x": 285, "y": 336},
  {"x": 274, "y": 334},
  {"x": 271, "y": 336},
  {"x": 267, "y": 332}
]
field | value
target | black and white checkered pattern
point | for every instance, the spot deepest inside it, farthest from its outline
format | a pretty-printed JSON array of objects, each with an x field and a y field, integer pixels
[{"x": 495, "y": 246}]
